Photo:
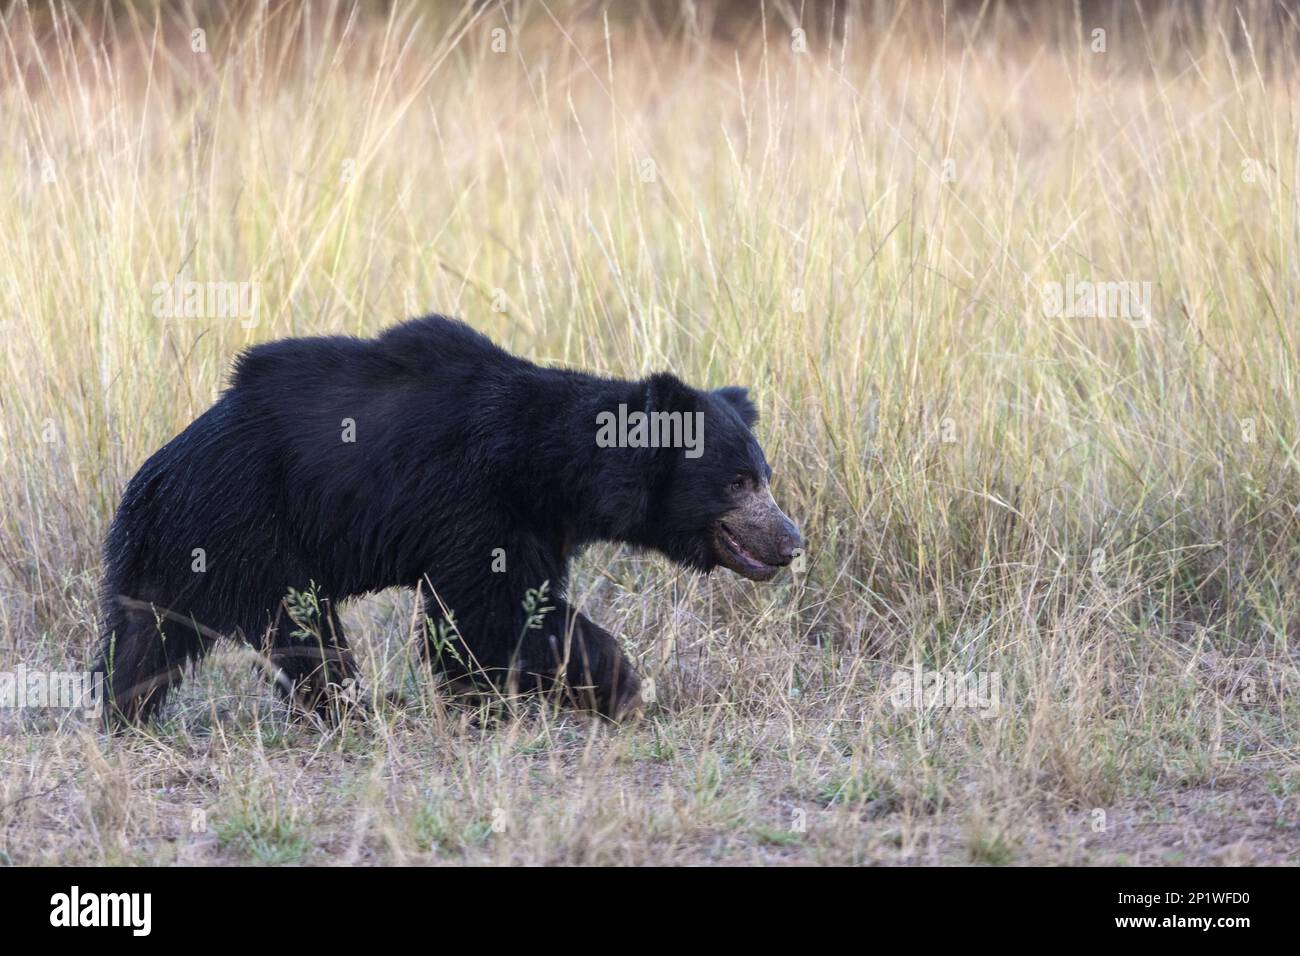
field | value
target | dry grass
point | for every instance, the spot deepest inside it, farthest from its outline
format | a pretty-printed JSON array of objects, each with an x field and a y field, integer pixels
[{"x": 1100, "y": 512}]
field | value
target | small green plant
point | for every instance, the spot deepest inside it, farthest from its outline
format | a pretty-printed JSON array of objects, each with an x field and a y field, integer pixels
[
  {"x": 853, "y": 788},
  {"x": 772, "y": 836},
  {"x": 432, "y": 828},
  {"x": 303, "y": 608},
  {"x": 535, "y": 608},
  {"x": 260, "y": 831},
  {"x": 443, "y": 638}
]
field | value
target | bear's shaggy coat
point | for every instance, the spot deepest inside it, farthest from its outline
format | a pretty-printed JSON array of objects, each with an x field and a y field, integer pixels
[{"x": 424, "y": 457}]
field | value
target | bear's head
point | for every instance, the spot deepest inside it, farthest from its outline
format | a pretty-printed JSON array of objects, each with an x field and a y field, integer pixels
[{"x": 712, "y": 502}]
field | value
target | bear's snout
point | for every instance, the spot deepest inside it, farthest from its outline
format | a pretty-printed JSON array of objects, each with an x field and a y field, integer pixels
[
  {"x": 789, "y": 541},
  {"x": 756, "y": 538}
]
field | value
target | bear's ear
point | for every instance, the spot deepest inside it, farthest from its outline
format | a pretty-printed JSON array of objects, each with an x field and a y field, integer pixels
[
  {"x": 738, "y": 398},
  {"x": 667, "y": 393}
]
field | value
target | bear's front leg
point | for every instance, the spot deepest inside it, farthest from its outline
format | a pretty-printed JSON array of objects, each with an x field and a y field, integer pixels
[
  {"x": 314, "y": 667},
  {"x": 597, "y": 674},
  {"x": 568, "y": 652}
]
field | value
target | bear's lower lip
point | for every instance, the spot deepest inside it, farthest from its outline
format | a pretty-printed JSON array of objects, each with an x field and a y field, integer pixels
[{"x": 749, "y": 565}]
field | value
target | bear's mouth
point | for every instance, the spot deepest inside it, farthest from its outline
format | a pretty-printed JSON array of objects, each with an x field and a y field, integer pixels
[{"x": 735, "y": 556}]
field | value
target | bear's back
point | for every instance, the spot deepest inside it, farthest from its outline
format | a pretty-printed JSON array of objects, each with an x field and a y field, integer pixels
[{"x": 416, "y": 347}]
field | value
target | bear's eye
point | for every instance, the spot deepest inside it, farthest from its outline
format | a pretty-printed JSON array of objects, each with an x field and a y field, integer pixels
[{"x": 738, "y": 483}]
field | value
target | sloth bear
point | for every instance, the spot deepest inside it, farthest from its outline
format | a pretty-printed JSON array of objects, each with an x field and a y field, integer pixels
[{"x": 426, "y": 457}]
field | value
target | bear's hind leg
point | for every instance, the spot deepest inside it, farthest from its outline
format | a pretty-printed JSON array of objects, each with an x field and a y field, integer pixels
[{"x": 143, "y": 655}]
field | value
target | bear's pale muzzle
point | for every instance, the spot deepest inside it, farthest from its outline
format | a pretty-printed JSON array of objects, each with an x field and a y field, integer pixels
[{"x": 756, "y": 538}]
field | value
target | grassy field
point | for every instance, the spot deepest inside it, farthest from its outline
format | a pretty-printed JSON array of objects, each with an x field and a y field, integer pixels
[{"x": 1087, "y": 510}]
